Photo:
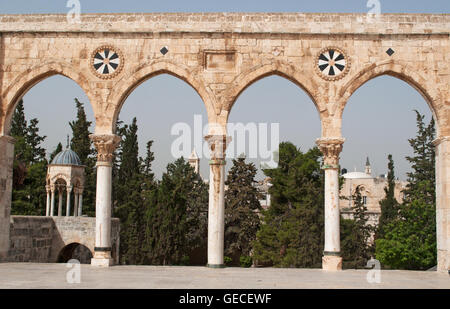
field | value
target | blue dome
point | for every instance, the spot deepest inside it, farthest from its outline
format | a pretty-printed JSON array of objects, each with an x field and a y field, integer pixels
[{"x": 66, "y": 157}]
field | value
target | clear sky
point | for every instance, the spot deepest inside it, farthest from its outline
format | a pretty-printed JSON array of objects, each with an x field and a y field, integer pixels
[
  {"x": 339, "y": 6},
  {"x": 378, "y": 120}
]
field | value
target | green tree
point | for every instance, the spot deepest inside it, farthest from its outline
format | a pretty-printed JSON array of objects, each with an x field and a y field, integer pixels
[
  {"x": 355, "y": 235},
  {"x": 81, "y": 142},
  {"x": 389, "y": 205},
  {"x": 410, "y": 240},
  {"x": 178, "y": 228},
  {"x": 34, "y": 141},
  {"x": 29, "y": 167},
  {"x": 18, "y": 122},
  {"x": 58, "y": 149},
  {"x": 292, "y": 232},
  {"x": 241, "y": 210},
  {"x": 129, "y": 199},
  {"x": 82, "y": 145}
]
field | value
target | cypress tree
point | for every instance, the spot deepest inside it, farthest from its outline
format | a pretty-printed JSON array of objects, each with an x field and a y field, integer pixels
[
  {"x": 29, "y": 167},
  {"x": 82, "y": 145},
  {"x": 129, "y": 200},
  {"x": 179, "y": 216},
  {"x": 81, "y": 142},
  {"x": 58, "y": 149},
  {"x": 241, "y": 210},
  {"x": 389, "y": 205},
  {"x": 356, "y": 235},
  {"x": 18, "y": 122}
]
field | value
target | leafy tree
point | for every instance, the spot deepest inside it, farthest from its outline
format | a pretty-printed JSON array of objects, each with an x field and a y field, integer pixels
[
  {"x": 389, "y": 205},
  {"x": 292, "y": 232},
  {"x": 410, "y": 240},
  {"x": 241, "y": 210}
]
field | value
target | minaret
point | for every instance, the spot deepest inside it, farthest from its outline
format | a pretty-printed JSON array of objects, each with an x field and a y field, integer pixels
[
  {"x": 368, "y": 168},
  {"x": 194, "y": 161}
]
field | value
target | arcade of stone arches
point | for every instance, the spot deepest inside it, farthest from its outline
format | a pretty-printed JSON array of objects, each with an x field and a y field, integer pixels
[{"x": 108, "y": 63}]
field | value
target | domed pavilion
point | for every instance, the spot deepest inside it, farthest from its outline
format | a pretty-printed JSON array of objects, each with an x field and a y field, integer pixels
[{"x": 65, "y": 174}]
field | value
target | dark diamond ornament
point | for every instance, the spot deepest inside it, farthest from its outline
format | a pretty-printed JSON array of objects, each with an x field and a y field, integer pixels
[
  {"x": 390, "y": 52},
  {"x": 164, "y": 50}
]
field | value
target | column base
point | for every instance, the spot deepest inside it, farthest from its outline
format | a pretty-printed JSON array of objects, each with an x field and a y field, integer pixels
[
  {"x": 215, "y": 266},
  {"x": 102, "y": 259},
  {"x": 331, "y": 263}
]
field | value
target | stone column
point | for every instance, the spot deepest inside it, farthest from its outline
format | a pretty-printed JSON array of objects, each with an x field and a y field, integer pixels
[
  {"x": 443, "y": 203},
  {"x": 75, "y": 203},
  {"x": 216, "y": 211},
  {"x": 69, "y": 191},
  {"x": 80, "y": 204},
  {"x": 47, "y": 208},
  {"x": 52, "y": 205},
  {"x": 105, "y": 145},
  {"x": 6, "y": 176},
  {"x": 60, "y": 201},
  {"x": 331, "y": 148}
]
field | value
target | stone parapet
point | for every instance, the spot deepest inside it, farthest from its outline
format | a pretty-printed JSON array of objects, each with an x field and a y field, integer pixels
[{"x": 308, "y": 23}]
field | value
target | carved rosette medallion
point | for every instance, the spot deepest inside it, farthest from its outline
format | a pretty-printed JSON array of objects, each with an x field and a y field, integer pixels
[
  {"x": 106, "y": 62},
  {"x": 105, "y": 145},
  {"x": 331, "y": 148},
  {"x": 332, "y": 63}
]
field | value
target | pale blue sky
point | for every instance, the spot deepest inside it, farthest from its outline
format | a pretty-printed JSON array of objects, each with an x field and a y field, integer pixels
[{"x": 378, "y": 119}]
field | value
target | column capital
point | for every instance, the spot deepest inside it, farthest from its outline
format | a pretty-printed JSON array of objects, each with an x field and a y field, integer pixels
[
  {"x": 69, "y": 189},
  {"x": 440, "y": 140},
  {"x": 218, "y": 145},
  {"x": 331, "y": 148},
  {"x": 8, "y": 139},
  {"x": 52, "y": 188},
  {"x": 105, "y": 145}
]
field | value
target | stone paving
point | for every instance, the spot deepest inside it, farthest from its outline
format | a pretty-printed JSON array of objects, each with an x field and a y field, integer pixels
[{"x": 45, "y": 276}]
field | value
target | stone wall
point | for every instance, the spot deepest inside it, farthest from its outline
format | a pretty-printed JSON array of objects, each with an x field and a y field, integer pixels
[{"x": 41, "y": 239}]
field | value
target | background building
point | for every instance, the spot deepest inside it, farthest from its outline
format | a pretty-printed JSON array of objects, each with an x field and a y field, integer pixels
[{"x": 372, "y": 192}]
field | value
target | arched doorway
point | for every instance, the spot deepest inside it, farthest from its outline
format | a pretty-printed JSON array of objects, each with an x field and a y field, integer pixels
[{"x": 75, "y": 251}]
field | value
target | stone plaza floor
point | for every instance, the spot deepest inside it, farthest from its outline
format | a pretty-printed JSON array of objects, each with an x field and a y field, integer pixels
[{"x": 45, "y": 276}]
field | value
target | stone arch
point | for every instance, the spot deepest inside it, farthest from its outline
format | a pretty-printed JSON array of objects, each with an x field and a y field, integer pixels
[
  {"x": 55, "y": 178},
  {"x": 289, "y": 72},
  {"x": 75, "y": 250},
  {"x": 29, "y": 78},
  {"x": 402, "y": 72},
  {"x": 130, "y": 82}
]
